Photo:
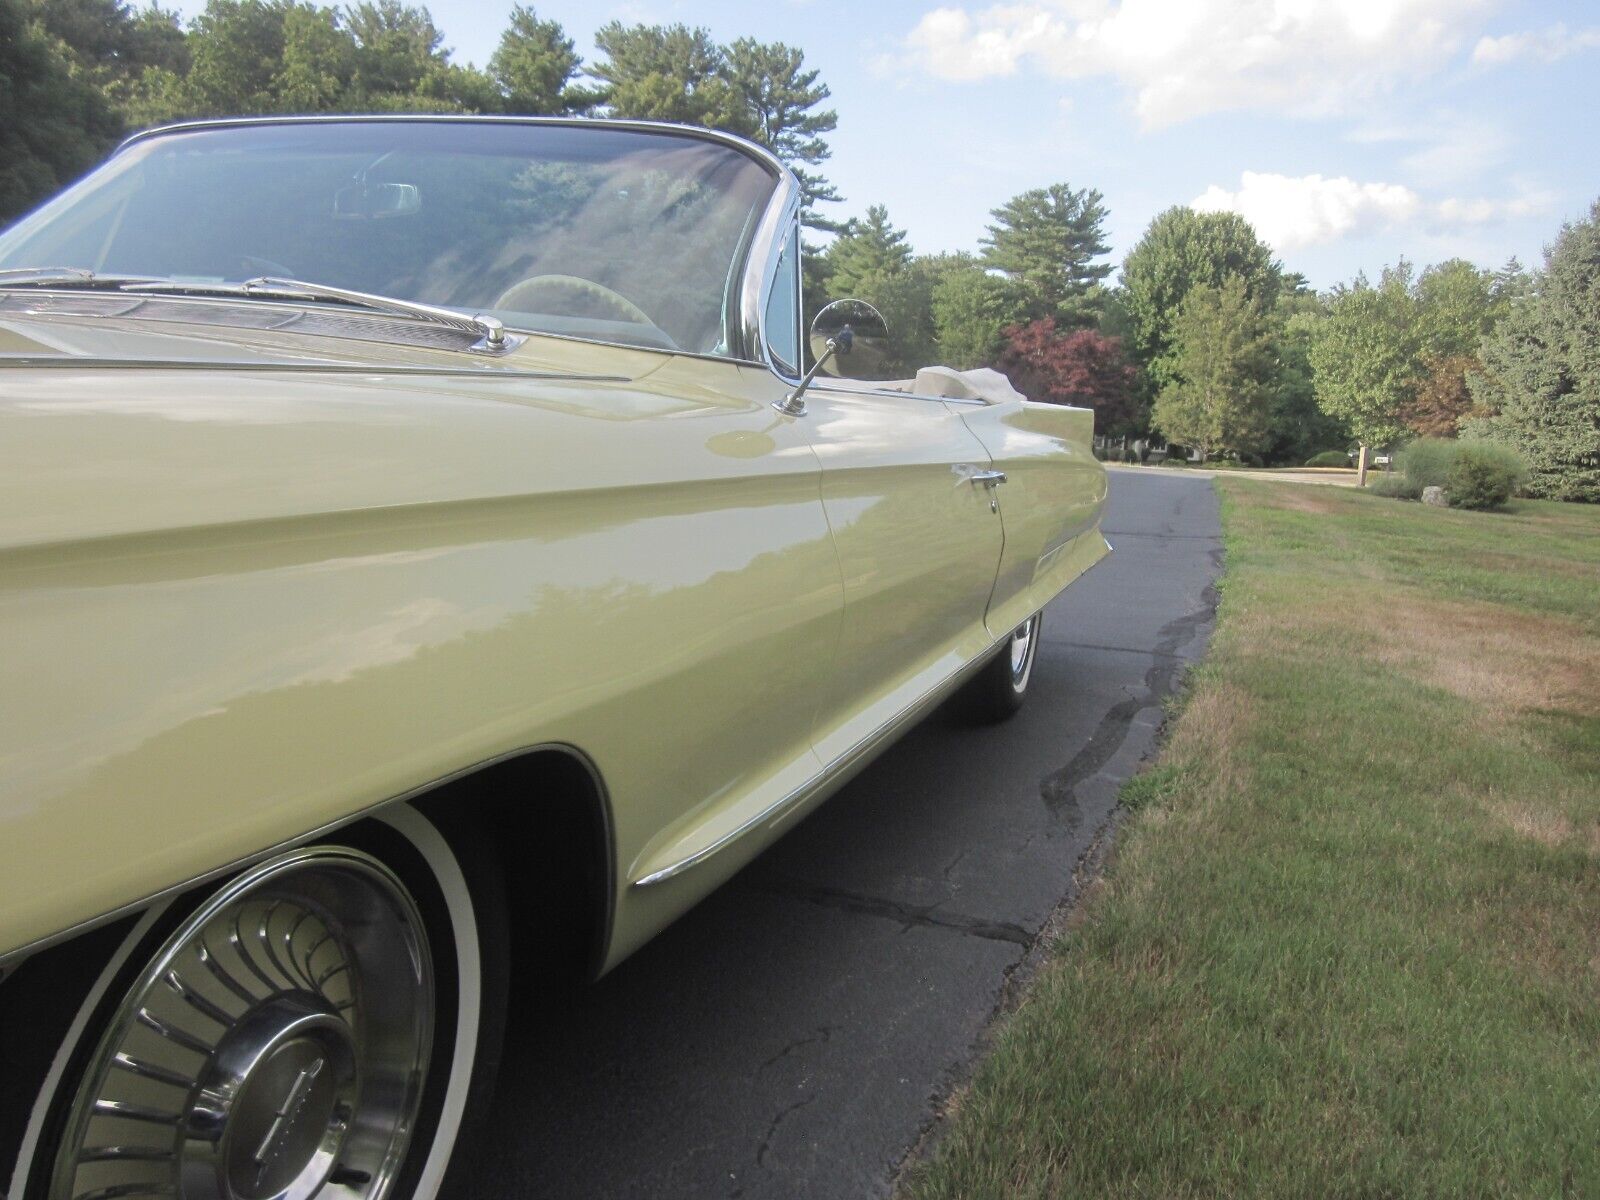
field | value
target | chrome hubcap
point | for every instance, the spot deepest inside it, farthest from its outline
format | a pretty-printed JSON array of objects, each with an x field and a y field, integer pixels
[
  {"x": 1022, "y": 646},
  {"x": 274, "y": 1049}
]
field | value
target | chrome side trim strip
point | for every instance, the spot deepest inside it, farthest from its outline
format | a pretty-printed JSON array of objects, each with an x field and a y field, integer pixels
[
  {"x": 40, "y": 361},
  {"x": 879, "y": 739}
]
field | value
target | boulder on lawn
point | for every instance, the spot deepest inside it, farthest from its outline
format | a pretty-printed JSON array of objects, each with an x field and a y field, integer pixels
[{"x": 1435, "y": 496}]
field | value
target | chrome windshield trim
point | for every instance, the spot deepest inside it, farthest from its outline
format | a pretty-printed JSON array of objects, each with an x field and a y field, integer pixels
[
  {"x": 761, "y": 268},
  {"x": 697, "y": 132}
]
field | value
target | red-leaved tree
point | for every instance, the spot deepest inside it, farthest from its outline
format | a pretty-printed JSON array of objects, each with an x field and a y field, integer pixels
[{"x": 1082, "y": 367}]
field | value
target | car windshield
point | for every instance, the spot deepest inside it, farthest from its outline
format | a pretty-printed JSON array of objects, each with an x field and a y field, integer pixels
[{"x": 606, "y": 233}]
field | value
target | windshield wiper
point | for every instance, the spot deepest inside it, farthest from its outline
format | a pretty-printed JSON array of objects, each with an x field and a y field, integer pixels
[
  {"x": 67, "y": 277},
  {"x": 491, "y": 334}
]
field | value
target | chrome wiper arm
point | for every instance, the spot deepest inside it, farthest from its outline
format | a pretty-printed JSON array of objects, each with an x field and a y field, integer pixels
[
  {"x": 67, "y": 277},
  {"x": 491, "y": 334}
]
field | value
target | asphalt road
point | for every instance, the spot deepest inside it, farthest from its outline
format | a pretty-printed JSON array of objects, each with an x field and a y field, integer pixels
[{"x": 795, "y": 1034}]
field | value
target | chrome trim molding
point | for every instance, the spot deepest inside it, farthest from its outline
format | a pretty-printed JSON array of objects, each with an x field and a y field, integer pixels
[
  {"x": 858, "y": 754},
  {"x": 40, "y": 361},
  {"x": 761, "y": 270},
  {"x": 748, "y": 148}
]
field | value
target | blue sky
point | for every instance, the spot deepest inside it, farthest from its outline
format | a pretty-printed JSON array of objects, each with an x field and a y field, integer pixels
[{"x": 1349, "y": 131}]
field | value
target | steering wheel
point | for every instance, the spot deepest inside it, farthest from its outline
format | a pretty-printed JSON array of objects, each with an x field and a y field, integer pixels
[{"x": 527, "y": 296}]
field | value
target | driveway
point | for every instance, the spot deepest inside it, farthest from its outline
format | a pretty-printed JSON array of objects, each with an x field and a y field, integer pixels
[
  {"x": 795, "y": 1034},
  {"x": 1332, "y": 477}
]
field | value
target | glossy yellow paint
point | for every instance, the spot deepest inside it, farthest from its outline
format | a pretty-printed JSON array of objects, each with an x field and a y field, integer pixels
[{"x": 242, "y": 604}]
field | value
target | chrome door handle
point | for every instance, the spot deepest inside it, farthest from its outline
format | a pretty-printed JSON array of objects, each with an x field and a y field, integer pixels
[{"x": 988, "y": 478}]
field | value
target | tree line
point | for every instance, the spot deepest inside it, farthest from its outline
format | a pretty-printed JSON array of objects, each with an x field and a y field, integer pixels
[
  {"x": 1203, "y": 338},
  {"x": 77, "y": 75}
]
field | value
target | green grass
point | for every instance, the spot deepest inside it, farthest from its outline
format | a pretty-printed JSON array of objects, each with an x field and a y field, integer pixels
[{"x": 1349, "y": 943}]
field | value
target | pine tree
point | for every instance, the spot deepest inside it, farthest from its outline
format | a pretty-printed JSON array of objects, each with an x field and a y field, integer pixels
[
  {"x": 779, "y": 99},
  {"x": 665, "y": 73},
  {"x": 866, "y": 254},
  {"x": 534, "y": 66},
  {"x": 1541, "y": 379},
  {"x": 1045, "y": 242}
]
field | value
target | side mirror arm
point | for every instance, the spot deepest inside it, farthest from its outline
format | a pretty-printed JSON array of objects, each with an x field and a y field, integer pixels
[{"x": 794, "y": 404}]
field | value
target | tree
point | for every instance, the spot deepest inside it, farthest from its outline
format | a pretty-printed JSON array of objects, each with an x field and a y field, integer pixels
[
  {"x": 1456, "y": 306},
  {"x": 111, "y": 44},
  {"x": 866, "y": 250},
  {"x": 1541, "y": 378},
  {"x": 396, "y": 46},
  {"x": 1511, "y": 283},
  {"x": 251, "y": 56},
  {"x": 870, "y": 261},
  {"x": 1219, "y": 399},
  {"x": 54, "y": 123},
  {"x": 778, "y": 99},
  {"x": 1082, "y": 367},
  {"x": 534, "y": 66},
  {"x": 1182, "y": 250},
  {"x": 1298, "y": 428},
  {"x": 1365, "y": 354},
  {"x": 971, "y": 311},
  {"x": 1441, "y": 397},
  {"x": 1045, "y": 242},
  {"x": 665, "y": 73}
]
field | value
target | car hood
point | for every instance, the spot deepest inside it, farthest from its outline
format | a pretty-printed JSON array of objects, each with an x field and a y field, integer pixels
[
  {"x": 92, "y": 328},
  {"x": 112, "y": 429}
]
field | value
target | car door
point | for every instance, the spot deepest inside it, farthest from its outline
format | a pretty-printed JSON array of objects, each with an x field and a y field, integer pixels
[
  {"x": 918, "y": 537},
  {"x": 1049, "y": 503}
]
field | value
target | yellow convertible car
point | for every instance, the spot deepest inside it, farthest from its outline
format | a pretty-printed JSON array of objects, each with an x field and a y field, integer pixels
[{"x": 429, "y": 545}]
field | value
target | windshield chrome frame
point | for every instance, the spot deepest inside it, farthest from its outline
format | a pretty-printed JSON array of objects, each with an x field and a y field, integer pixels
[{"x": 742, "y": 329}]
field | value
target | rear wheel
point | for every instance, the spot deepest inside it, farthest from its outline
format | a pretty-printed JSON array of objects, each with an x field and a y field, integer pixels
[
  {"x": 321, "y": 1025},
  {"x": 999, "y": 689}
]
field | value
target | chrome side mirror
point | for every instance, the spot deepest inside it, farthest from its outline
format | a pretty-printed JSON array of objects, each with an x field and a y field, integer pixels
[{"x": 842, "y": 329}]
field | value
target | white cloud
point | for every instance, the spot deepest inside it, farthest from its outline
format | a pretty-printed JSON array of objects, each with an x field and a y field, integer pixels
[
  {"x": 1294, "y": 211},
  {"x": 1545, "y": 45},
  {"x": 1291, "y": 212},
  {"x": 1188, "y": 57}
]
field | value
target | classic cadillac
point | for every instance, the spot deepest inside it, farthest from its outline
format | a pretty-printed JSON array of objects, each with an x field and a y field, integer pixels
[{"x": 424, "y": 550}]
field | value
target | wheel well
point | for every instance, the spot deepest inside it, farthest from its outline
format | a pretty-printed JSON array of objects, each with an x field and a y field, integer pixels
[{"x": 545, "y": 812}]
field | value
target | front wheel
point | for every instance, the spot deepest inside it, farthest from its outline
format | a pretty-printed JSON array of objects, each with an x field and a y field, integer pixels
[
  {"x": 318, "y": 1026},
  {"x": 999, "y": 689}
]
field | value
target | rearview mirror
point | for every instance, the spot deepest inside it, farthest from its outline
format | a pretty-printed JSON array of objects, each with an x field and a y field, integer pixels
[
  {"x": 854, "y": 331},
  {"x": 376, "y": 201}
]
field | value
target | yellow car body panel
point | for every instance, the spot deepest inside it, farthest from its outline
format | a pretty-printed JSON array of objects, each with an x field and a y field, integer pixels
[{"x": 253, "y": 585}]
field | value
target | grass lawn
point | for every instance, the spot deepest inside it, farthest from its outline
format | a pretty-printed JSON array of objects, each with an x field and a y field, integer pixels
[{"x": 1349, "y": 942}]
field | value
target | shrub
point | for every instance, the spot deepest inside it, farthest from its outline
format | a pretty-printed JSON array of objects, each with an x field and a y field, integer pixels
[
  {"x": 1329, "y": 458},
  {"x": 1170, "y": 461},
  {"x": 1396, "y": 487},
  {"x": 1426, "y": 462},
  {"x": 1484, "y": 475}
]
